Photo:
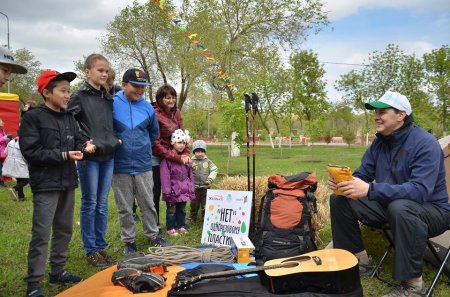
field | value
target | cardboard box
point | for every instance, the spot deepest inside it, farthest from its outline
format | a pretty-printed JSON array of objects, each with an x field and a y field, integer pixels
[{"x": 243, "y": 249}]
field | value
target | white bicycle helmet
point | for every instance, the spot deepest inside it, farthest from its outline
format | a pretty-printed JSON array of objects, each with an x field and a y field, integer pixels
[{"x": 199, "y": 144}]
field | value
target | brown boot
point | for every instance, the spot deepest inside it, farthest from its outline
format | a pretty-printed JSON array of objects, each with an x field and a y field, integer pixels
[
  {"x": 96, "y": 259},
  {"x": 108, "y": 258}
]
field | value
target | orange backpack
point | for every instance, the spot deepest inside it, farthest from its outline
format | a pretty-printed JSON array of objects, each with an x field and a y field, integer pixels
[{"x": 284, "y": 221}]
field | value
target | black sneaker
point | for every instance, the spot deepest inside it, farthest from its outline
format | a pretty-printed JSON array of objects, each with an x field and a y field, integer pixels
[
  {"x": 159, "y": 241},
  {"x": 64, "y": 277},
  {"x": 130, "y": 247},
  {"x": 34, "y": 293}
]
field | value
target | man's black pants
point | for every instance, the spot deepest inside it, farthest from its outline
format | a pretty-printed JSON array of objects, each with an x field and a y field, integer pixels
[{"x": 411, "y": 224}]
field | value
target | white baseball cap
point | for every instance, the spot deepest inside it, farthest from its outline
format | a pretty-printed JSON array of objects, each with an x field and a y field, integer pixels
[
  {"x": 389, "y": 100},
  {"x": 6, "y": 57}
]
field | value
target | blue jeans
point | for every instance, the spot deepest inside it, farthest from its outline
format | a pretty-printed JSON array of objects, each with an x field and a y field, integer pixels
[
  {"x": 175, "y": 213},
  {"x": 95, "y": 181}
]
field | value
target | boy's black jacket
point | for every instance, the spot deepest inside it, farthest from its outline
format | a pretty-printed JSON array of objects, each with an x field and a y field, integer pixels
[{"x": 45, "y": 136}]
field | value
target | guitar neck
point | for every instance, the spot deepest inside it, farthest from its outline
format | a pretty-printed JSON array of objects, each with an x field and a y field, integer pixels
[
  {"x": 182, "y": 285},
  {"x": 239, "y": 272}
]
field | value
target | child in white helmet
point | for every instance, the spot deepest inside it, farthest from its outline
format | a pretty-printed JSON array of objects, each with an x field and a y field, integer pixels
[
  {"x": 177, "y": 185},
  {"x": 205, "y": 172}
]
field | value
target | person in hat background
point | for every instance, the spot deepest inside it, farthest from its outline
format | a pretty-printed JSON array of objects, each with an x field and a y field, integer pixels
[
  {"x": 401, "y": 182},
  {"x": 91, "y": 106},
  {"x": 205, "y": 172},
  {"x": 8, "y": 66},
  {"x": 169, "y": 120},
  {"x": 177, "y": 185},
  {"x": 51, "y": 142},
  {"x": 136, "y": 125}
]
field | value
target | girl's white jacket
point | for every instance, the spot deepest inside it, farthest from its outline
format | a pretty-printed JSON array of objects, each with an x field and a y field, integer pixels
[{"x": 15, "y": 164}]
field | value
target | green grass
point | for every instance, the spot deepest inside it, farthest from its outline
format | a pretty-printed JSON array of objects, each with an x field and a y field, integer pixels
[
  {"x": 15, "y": 219},
  {"x": 287, "y": 160}
]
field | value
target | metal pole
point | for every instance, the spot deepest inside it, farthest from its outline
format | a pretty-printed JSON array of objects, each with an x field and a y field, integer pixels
[
  {"x": 7, "y": 27},
  {"x": 247, "y": 137}
]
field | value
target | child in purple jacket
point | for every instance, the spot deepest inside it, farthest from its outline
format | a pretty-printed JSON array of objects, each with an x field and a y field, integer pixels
[{"x": 177, "y": 184}]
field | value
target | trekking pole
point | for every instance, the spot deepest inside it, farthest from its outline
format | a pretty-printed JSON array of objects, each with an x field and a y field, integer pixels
[
  {"x": 254, "y": 102},
  {"x": 247, "y": 110}
]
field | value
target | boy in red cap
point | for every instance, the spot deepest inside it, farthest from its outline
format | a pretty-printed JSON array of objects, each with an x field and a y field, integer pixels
[{"x": 51, "y": 143}]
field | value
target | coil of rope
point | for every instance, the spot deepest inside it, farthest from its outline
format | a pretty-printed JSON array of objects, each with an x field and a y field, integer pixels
[{"x": 184, "y": 254}]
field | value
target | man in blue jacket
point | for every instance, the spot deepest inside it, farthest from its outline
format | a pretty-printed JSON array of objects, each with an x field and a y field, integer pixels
[
  {"x": 136, "y": 126},
  {"x": 401, "y": 182}
]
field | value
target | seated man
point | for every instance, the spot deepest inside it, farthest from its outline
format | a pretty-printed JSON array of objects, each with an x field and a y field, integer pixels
[{"x": 401, "y": 182}]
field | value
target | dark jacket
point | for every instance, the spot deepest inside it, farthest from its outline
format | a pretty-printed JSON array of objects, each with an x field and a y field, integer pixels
[
  {"x": 46, "y": 137},
  {"x": 409, "y": 164},
  {"x": 92, "y": 109},
  {"x": 136, "y": 125},
  {"x": 168, "y": 123}
]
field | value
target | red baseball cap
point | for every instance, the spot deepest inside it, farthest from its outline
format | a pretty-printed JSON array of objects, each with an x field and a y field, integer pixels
[{"x": 48, "y": 75}]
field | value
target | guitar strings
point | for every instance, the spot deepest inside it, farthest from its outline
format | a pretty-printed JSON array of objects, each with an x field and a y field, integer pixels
[{"x": 184, "y": 254}]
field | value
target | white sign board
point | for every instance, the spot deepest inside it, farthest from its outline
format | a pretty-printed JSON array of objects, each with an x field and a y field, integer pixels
[{"x": 227, "y": 213}]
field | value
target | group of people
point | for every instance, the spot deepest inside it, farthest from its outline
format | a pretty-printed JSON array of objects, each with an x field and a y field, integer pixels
[
  {"x": 142, "y": 150},
  {"x": 104, "y": 136}
]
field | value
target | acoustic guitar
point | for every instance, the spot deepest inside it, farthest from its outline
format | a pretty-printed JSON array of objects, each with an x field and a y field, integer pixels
[{"x": 332, "y": 271}]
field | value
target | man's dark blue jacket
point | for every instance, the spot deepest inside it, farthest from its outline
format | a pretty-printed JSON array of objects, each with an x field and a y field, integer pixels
[{"x": 408, "y": 164}]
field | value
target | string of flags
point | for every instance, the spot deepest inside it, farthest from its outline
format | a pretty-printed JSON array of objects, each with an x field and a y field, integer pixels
[{"x": 194, "y": 39}]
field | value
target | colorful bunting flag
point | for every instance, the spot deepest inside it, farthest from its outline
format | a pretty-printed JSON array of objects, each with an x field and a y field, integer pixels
[{"x": 193, "y": 38}]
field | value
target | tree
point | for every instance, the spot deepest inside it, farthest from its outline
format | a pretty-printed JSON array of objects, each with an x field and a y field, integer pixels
[
  {"x": 140, "y": 36},
  {"x": 308, "y": 86},
  {"x": 340, "y": 118},
  {"x": 354, "y": 86},
  {"x": 24, "y": 85},
  {"x": 271, "y": 82},
  {"x": 233, "y": 121},
  {"x": 437, "y": 64},
  {"x": 246, "y": 25},
  {"x": 391, "y": 70},
  {"x": 349, "y": 137}
]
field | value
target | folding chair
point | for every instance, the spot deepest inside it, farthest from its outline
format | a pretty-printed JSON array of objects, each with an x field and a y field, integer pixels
[{"x": 442, "y": 261}]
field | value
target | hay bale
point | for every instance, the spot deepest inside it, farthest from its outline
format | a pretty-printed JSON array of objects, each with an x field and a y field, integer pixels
[
  {"x": 322, "y": 217},
  {"x": 239, "y": 183}
]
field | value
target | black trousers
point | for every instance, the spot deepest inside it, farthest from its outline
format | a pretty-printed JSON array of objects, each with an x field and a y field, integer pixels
[
  {"x": 411, "y": 224},
  {"x": 156, "y": 189},
  {"x": 21, "y": 183}
]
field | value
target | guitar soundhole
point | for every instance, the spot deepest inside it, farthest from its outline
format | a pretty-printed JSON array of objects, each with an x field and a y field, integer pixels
[{"x": 298, "y": 259}]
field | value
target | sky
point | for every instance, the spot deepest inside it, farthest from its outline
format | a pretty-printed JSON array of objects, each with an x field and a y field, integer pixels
[{"x": 60, "y": 32}]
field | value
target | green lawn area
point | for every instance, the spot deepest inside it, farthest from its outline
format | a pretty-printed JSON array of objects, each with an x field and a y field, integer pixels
[{"x": 15, "y": 218}]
